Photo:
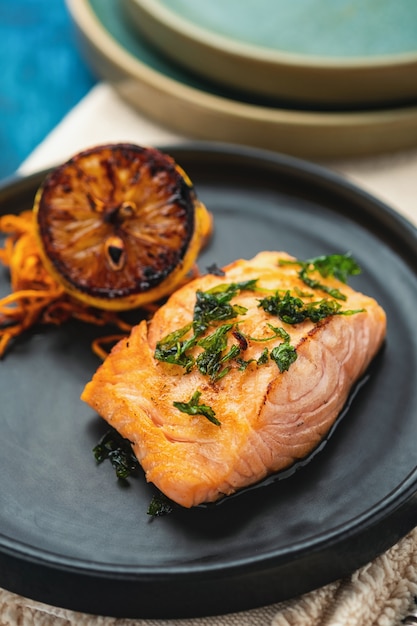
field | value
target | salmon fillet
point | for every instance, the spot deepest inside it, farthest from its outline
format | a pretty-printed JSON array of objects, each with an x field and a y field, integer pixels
[{"x": 254, "y": 415}]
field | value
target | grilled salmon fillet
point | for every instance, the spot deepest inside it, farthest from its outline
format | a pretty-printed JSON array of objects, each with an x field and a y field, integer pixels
[{"x": 249, "y": 394}]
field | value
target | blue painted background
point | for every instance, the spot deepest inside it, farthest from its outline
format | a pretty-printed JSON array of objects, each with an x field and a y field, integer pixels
[{"x": 42, "y": 75}]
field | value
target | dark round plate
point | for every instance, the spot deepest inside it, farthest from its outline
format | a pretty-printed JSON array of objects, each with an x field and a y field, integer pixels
[{"x": 72, "y": 536}]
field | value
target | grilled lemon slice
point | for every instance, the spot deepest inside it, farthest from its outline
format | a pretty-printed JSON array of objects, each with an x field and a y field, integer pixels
[{"x": 120, "y": 226}]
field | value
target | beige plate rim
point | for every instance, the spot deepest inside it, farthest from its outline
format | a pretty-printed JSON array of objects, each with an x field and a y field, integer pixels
[
  {"x": 243, "y": 120},
  {"x": 204, "y": 37}
]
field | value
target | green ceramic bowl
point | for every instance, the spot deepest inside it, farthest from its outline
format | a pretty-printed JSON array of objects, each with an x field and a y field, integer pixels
[
  {"x": 312, "y": 51},
  {"x": 196, "y": 108}
]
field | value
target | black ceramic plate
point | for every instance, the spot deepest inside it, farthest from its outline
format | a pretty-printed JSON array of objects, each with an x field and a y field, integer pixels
[{"x": 72, "y": 536}]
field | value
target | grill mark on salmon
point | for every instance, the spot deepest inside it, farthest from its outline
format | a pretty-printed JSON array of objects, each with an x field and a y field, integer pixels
[{"x": 269, "y": 420}]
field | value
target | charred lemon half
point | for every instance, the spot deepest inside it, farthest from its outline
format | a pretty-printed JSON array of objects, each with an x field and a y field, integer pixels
[{"x": 119, "y": 225}]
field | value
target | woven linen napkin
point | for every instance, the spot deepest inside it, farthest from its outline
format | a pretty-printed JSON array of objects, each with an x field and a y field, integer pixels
[{"x": 380, "y": 593}]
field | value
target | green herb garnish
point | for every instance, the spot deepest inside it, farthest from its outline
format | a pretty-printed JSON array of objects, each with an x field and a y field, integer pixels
[
  {"x": 192, "y": 407},
  {"x": 293, "y": 310},
  {"x": 288, "y": 308},
  {"x": 210, "y": 361},
  {"x": 210, "y": 307},
  {"x": 263, "y": 358},
  {"x": 283, "y": 355},
  {"x": 214, "y": 305},
  {"x": 172, "y": 349},
  {"x": 160, "y": 505},
  {"x": 118, "y": 451},
  {"x": 338, "y": 265},
  {"x": 341, "y": 266},
  {"x": 277, "y": 332}
]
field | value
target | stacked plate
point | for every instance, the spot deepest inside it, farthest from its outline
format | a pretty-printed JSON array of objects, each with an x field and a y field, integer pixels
[{"x": 321, "y": 78}]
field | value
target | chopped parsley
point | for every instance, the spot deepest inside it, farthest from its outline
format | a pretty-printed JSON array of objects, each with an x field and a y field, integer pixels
[
  {"x": 214, "y": 305},
  {"x": 193, "y": 407},
  {"x": 341, "y": 266},
  {"x": 292, "y": 310},
  {"x": 263, "y": 358},
  {"x": 277, "y": 332},
  {"x": 172, "y": 349},
  {"x": 211, "y": 360},
  {"x": 283, "y": 355},
  {"x": 118, "y": 451},
  {"x": 160, "y": 505},
  {"x": 210, "y": 307}
]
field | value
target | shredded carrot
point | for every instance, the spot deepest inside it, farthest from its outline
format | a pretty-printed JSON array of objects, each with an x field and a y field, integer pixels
[
  {"x": 36, "y": 297},
  {"x": 98, "y": 345}
]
